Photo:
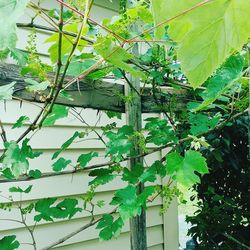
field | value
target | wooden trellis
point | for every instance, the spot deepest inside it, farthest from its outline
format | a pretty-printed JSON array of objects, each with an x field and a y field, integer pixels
[{"x": 105, "y": 95}]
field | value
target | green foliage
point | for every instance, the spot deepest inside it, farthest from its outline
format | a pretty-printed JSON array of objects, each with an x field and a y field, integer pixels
[
  {"x": 109, "y": 227},
  {"x": 35, "y": 86},
  {"x": 9, "y": 243},
  {"x": 117, "y": 56},
  {"x": 7, "y": 91},
  {"x": 8, "y": 35},
  {"x": 223, "y": 203},
  {"x": 102, "y": 176},
  {"x": 182, "y": 169},
  {"x": 66, "y": 145},
  {"x": 60, "y": 164},
  {"x": 130, "y": 204},
  {"x": 222, "y": 80},
  {"x": 211, "y": 31},
  {"x": 119, "y": 143},
  {"x": 20, "y": 190},
  {"x": 35, "y": 173},
  {"x": 160, "y": 133},
  {"x": 201, "y": 123},
  {"x": 16, "y": 159},
  {"x": 84, "y": 159},
  {"x": 58, "y": 112},
  {"x": 64, "y": 209},
  {"x": 21, "y": 121}
]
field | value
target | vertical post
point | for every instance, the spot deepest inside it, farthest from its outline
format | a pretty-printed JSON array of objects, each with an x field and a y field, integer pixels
[{"x": 138, "y": 235}]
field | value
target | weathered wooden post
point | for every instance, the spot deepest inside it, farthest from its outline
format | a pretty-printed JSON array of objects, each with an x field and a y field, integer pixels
[{"x": 138, "y": 235}]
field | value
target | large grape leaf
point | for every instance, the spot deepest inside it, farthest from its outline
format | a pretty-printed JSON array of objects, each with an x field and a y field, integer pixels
[
  {"x": 182, "y": 169},
  {"x": 10, "y": 12},
  {"x": 224, "y": 78},
  {"x": 208, "y": 34}
]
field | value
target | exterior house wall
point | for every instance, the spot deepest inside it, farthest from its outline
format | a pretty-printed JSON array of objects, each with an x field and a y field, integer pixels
[{"x": 162, "y": 230}]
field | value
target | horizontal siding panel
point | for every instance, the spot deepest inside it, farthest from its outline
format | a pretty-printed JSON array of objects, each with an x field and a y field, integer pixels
[
  {"x": 58, "y": 230},
  {"x": 91, "y": 117},
  {"x": 122, "y": 243},
  {"x": 153, "y": 215},
  {"x": 52, "y": 187}
]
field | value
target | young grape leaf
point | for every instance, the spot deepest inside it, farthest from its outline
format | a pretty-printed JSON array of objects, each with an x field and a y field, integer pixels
[
  {"x": 21, "y": 121},
  {"x": 103, "y": 176},
  {"x": 208, "y": 34},
  {"x": 182, "y": 169},
  {"x": 60, "y": 164},
  {"x": 66, "y": 145},
  {"x": 58, "y": 112},
  {"x": 35, "y": 173},
  {"x": 84, "y": 159},
  {"x": 9, "y": 243},
  {"x": 20, "y": 190}
]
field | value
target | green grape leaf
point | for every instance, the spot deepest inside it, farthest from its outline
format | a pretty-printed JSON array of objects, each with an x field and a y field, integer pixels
[
  {"x": 84, "y": 159},
  {"x": 103, "y": 176},
  {"x": 128, "y": 203},
  {"x": 60, "y": 164},
  {"x": 201, "y": 123},
  {"x": 28, "y": 151},
  {"x": 65, "y": 209},
  {"x": 36, "y": 86},
  {"x": 78, "y": 67},
  {"x": 20, "y": 190},
  {"x": 20, "y": 56},
  {"x": 159, "y": 132},
  {"x": 110, "y": 228},
  {"x": 182, "y": 169},
  {"x": 132, "y": 176},
  {"x": 14, "y": 159},
  {"x": 21, "y": 121},
  {"x": 99, "y": 73},
  {"x": 222, "y": 80},
  {"x": 119, "y": 143},
  {"x": 116, "y": 56},
  {"x": 58, "y": 112},
  {"x": 10, "y": 12},
  {"x": 208, "y": 34},
  {"x": 36, "y": 174},
  {"x": 9, "y": 243},
  {"x": 6, "y": 91},
  {"x": 66, "y": 145},
  {"x": 151, "y": 173}
]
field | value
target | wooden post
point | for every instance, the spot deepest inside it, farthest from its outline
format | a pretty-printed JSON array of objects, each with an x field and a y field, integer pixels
[
  {"x": 134, "y": 119},
  {"x": 138, "y": 234}
]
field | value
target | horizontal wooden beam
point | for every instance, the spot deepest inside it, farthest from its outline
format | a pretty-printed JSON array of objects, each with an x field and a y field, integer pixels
[{"x": 99, "y": 94}]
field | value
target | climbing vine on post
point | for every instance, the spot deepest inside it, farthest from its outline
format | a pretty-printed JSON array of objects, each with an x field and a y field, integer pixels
[{"x": 186, "y": 55}]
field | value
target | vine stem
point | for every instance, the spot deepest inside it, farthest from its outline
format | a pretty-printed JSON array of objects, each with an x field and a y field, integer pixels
[
  {"x": 110, "y": 163},
  {"x": 77, "y": 231}
]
